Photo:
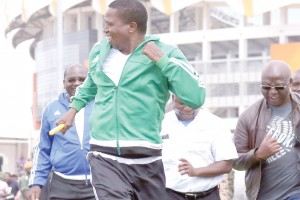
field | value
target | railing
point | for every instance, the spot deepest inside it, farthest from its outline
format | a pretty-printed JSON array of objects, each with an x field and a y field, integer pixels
[{"x": 232, "y": 84}]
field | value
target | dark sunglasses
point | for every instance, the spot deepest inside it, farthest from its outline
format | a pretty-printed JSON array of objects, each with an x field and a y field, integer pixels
[{"x": 278, "y": 87}]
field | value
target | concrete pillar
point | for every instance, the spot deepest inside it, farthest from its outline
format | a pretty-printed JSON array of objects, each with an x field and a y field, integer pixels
[
  {"x": 243, "y": 55},
  {"x": 174, "y": 22}
]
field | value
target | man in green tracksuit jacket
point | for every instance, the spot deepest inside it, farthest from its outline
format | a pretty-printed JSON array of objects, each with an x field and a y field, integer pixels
[{"x": 130, "y": 77}]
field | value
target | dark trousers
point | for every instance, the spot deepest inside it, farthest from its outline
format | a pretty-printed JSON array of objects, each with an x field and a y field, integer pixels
[
  {"x": 172, "y": 195},
  {"x": 45, "y": 190},
  {"x": 113, "y": 180},
  {"x": 65, "y": 189}
]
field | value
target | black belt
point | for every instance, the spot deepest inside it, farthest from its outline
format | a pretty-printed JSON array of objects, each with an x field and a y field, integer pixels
[{"x": 196, "y": 195}]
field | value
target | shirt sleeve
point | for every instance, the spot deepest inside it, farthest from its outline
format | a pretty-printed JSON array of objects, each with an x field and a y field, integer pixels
[
  {"x": 246, "y": 159},
  {"x": 41, "y": 161},
  {"x": 223, "y": 146}
]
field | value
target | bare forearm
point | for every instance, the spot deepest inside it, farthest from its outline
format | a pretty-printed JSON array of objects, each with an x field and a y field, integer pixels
[{"x": 215, "y": 169}]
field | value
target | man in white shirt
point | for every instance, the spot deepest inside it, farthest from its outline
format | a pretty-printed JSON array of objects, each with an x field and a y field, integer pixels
[{"x": 197, "y": 151}]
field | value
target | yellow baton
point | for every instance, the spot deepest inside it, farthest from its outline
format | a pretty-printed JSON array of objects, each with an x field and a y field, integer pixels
[{"x": 56, "y": 129}]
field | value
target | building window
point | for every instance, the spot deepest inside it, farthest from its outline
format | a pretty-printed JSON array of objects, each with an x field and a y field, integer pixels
[
  {"x": 160, "y": 23},
  {"x": 88, "y": 21},
  {"x": 71, "y": 23},
  {"x": 294, "y": 16},
  {"x": 223, "y": 89},
  {"x": 226, "y": 112},
  {"x": 253, "y": 88}
]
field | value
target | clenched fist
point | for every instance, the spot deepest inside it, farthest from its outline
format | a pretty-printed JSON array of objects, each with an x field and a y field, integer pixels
[{"x": 152, "y": 51}]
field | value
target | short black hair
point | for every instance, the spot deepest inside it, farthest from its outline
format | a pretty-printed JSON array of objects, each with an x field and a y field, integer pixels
[{"x": 132, "y": 11}]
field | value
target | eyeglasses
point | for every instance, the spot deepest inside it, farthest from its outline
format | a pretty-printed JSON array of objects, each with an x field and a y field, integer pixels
[
  {"x": 278, "y": 87},
  {"x": 295, "y": 85}
]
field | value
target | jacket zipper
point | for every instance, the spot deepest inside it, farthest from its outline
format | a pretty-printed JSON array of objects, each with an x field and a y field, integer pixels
[
  {"x": 85, "y": 168},
  {"x": 117, "y": 122},
  {"x": 117, "y": 107},
  {"x": 82, "y": 141}
]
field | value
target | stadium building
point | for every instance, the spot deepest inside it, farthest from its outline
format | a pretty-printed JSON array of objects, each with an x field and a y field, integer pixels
[{"x": 227, "y": 41}]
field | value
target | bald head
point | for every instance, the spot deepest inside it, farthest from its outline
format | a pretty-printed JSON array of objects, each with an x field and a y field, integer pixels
[
  {"x": 75, "y": 67},
  {"x": 74, "y": 76},
  {"x": 296, "y": 75},
  {"x": 276, "y": 69},
  {"x": 276, "y": 81},
  {"x": 296, "y": 82}
]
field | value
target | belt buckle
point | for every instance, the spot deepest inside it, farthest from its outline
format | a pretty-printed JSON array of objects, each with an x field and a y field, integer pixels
[{"x": 190, "y": 196}]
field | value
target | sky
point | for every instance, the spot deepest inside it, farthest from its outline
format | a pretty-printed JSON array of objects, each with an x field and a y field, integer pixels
[{"x": 17, "y": 69}]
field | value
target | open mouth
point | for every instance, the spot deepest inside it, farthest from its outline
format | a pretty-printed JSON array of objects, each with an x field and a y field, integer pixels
[
  {"x": 108, "y": 38},
  {"x": 273, "y": 98}
]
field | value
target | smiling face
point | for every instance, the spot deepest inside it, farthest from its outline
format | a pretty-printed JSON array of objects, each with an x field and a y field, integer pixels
[
  {"x": 125, "y": 24},
  {"x": 276, "y": 73},
  {"x": 116, "y": 31},
  {"x": 73, "y": 77}
]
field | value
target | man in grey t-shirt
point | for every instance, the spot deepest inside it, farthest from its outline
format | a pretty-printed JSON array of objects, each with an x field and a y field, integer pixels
[
  {"x": 266, "y": 138},
  {"x": 282, "y": 166}
]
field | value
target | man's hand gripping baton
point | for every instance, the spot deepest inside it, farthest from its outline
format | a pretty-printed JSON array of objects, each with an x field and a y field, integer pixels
[{"x": 56, "y": 129}]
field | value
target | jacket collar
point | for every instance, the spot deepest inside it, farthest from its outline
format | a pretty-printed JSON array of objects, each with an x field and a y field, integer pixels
[
  {"x": 62, "y": 98},
  {"x": 105, "y": 46}
]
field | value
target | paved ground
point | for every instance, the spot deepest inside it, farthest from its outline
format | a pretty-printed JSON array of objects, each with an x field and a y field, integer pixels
[{"x": 239, "y": 186}]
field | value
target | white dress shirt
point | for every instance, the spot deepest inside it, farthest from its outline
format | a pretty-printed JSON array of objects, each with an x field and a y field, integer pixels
[{"x": 202, "y": 142}]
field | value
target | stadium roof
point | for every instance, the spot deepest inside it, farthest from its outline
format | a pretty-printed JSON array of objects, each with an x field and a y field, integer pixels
[{"x": 28, "y": 16}]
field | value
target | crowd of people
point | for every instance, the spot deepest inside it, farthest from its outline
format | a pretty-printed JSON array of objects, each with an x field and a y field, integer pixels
[
  {"x": 116, "y": 141},
  {"x": 15, "y": 186}
]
